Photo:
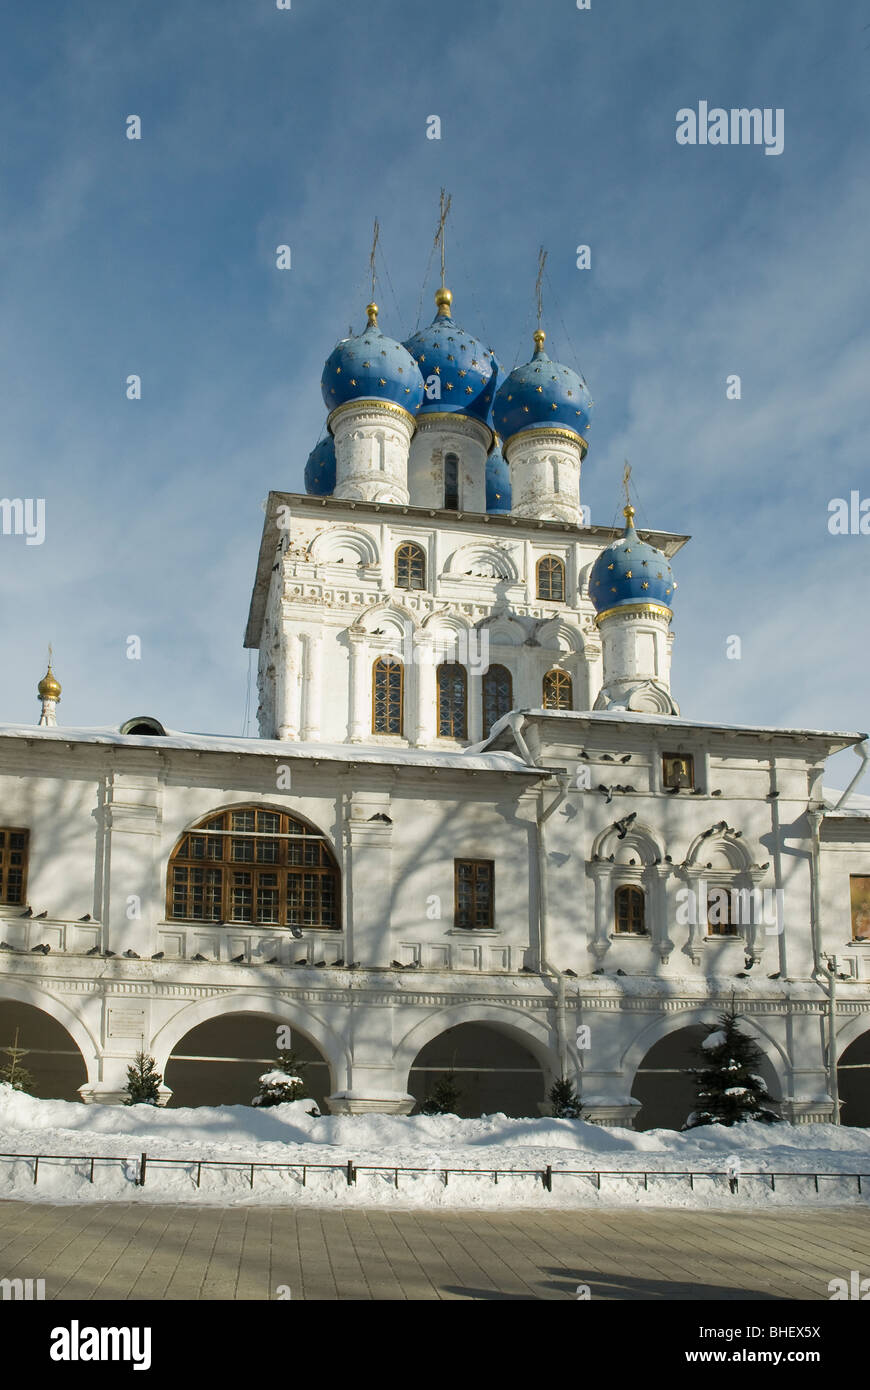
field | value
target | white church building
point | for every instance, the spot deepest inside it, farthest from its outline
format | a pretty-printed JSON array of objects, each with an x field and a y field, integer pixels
[{"x": 475, "y": 834}]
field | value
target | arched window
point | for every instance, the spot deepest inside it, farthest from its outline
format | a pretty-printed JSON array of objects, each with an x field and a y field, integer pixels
[
  {"x": 722, "y": 919},
  {"x": 551, "y": 579},
  {"x": 388, "y": 678},
  {"x": 497, "y": 695},
  {"x": 410, "y": 567},
  {"x": 268, "y": 868},
  {"x": 451, "y": 482},
  {"x": 558, "y": 691},
  {"x": 629, "y": 910},
  {"x": 452, "y": 701}
]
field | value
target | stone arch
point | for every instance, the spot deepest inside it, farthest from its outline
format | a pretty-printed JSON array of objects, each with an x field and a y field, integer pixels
[
  {"x": 21, "y": 992},
  {"x": 639, "y": 843},
  {"x": 484, "y": 561},
  {"x": 347, "y": 544},
  {"x": 260, "y": 803},
  {"x": 557, "y": 635},
  {"x": 664, "y": 1024},
  {"x": 853, "y": 1071},
  {"x": 724, "y": 849},
  {"x": 535, "y": 1035},
  {"x": 288, "y": 1011}
]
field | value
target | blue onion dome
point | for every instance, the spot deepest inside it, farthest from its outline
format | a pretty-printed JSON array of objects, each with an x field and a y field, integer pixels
[
  {"x": 540, "y": 394},
  {"x": 371, "y": 367},
  {"x": 320, "y": 469},
  {"x": 498, "y": 480},
  {"x": 460, "y": 375},
  {"x": 631, "y": 571}
]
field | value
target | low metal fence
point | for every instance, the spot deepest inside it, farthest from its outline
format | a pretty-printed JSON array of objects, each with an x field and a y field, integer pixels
[{"x": 143, "y": 1162}]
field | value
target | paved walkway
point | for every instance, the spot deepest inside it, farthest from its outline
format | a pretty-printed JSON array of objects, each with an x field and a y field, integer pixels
[{"x": 121, "y": 1250}]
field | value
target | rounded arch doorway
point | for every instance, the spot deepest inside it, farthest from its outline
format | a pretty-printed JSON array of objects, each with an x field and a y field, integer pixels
[
  {"x": 219, "y": 1061},
  {"x": 491, "y": 1069},
  {"x": 50, "y": 1055}
]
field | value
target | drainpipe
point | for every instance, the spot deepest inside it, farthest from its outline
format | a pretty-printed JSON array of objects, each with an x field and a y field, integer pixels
[
  {"x": 827, "y": 974},
  {"x": 864, "y": 754},
  {"x": 542, "y": 816}
]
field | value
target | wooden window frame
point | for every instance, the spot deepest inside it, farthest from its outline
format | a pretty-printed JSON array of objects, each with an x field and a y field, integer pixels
[
  {"x": 452, "y": 733},
  {"x": 299, "y": 893},
  {"x": 547, "y": 567},
  {"x": 728, "y": 926},
  {"x": 410, "y": 555},
  {"x": 476, "y": 865},
  {"x": 489, "y": 676},
  {"x": 630, "y": 890},
  {"x": 6, "y": 850},
  {"x": 386, "y": 665},
  {"x": 667, "y": 770},
  {"x": 560, "y": 678}
]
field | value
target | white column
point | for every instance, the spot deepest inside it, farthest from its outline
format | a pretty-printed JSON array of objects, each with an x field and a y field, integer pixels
[
  {"x": 424, "y": 733},
  {"x": 311, "y": 686},
  {"x": 289, "y": 686},
  {"x": 360, "y": 681}
]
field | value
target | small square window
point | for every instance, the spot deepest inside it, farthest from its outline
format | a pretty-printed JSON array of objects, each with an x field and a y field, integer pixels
[{"x": 678, "y": 770}]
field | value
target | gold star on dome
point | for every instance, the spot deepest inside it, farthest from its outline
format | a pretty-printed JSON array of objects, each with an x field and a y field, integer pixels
[
  {"x": 450, "y": 357},
  {"x": 554, "y": 406},
  {"x": 659, "y": 575},
  {"x": 421, "y": 358},
  {"x": 463, "y": 372},
  {"x": 610, "y": 566},
  {"x": 628, "y": 574},
  {"x": 474, "y": 361},
  {"x": 352, "y": 382},
  {"x": 449, "y": 385},
  {"x": 510, "y": 398},
  {"x": 382, "y": 381},
  {"x": 367, "y": 364},
  {"x": 539, "y": 389},
  {"x": 645, "y": 584},
  {"x": 667, "y": 591},
  {"x": 526, "y": 409},
  {"x": 644, "y": 562},
  {"x": 468, "y": 391},
  {"x": 613, "y": 591},
  {"x": 437, "y": 371},
  {"x": 338, "y": 369}
]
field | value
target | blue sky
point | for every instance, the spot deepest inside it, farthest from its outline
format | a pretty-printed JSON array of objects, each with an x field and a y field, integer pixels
[{"x": 262, "y": 127}]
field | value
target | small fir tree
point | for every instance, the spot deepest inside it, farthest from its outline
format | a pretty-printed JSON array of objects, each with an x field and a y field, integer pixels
[
  {"x": 564, "y": 1100},
  {"x": 12, "y": 1072},
  {"x": 443, "y": 1098},
  {"x": 284, "y": 1082},
  {"x": 143, "y": 1081},
  {"x": 730, "y": 1089}
]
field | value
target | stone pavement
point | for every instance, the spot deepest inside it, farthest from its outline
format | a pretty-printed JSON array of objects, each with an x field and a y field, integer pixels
[{"x": 130, "y": 1251}]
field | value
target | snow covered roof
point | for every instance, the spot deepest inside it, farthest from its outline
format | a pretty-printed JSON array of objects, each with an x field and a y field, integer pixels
[
  {"x": 834, "y": 740},
  {"x": 857, "y": 805},
  {"x": 492, "y": 761}
]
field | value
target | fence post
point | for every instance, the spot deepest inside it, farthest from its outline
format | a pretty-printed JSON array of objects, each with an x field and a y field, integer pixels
[
  {"x": 35, "y": 1169},
  {"x": 140, "y": 1181},
  {"x": 547, "y": 1178},
  {"x": 351, "y": 1172}
]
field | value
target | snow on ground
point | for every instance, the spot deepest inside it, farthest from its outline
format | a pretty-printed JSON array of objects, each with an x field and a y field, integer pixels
[{"x": 287, "y": 1134}]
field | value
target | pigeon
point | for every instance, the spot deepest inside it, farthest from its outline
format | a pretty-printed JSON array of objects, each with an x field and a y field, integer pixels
[
  {"x": 274, "y": 567},
  {"x": 296, "y": 933},
  {"x": 597, "y": 972},
  {"x": 28, "y": 912},
  {"x": 607, "y": 757},
  {"x": 273, "y": 960},
  {"x": 572, "y": 973},
  {"x": 775, "y": 975},
  {"x": 132, "y": 955},
  {"x": 319, "y": 964},
  {"x": 94, "y": 951},
  {"x": 198, "y": 957},
  {"x": 526, "y": 970},
  {"x": 610, "y": 858},
  {"x": 4, "y": 946},
  {"x": 302, "y": 962},
  {"x": 717, "y": 792},
  {"x": 237, "y": 960},
  {"x": 607, "y": 792},
  {"x": 158, "y": 955},
  {"x": 381, "y": 817},
  {"x": 672, "y": 791},
  {"x": 668, "y": 859},
  {"x": 621, "y": 826},
  {"x": 112, "y": 953},
  {"x": 584, "y": 754},
  {"x": 42, "y": 948},
  {"x": 697, "y": 791},
  {"x": 771, "y": 796},
  {"x": 626, "y": 758},
  {"x": 40, "y": 916},
  {"x": 620, "y": 972},
  {"x": 87, "y": 918},
  {"x": 741, "y": 975},
  {"x": 397, "y": 965},
  {"x": 340, "y": 961}
]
